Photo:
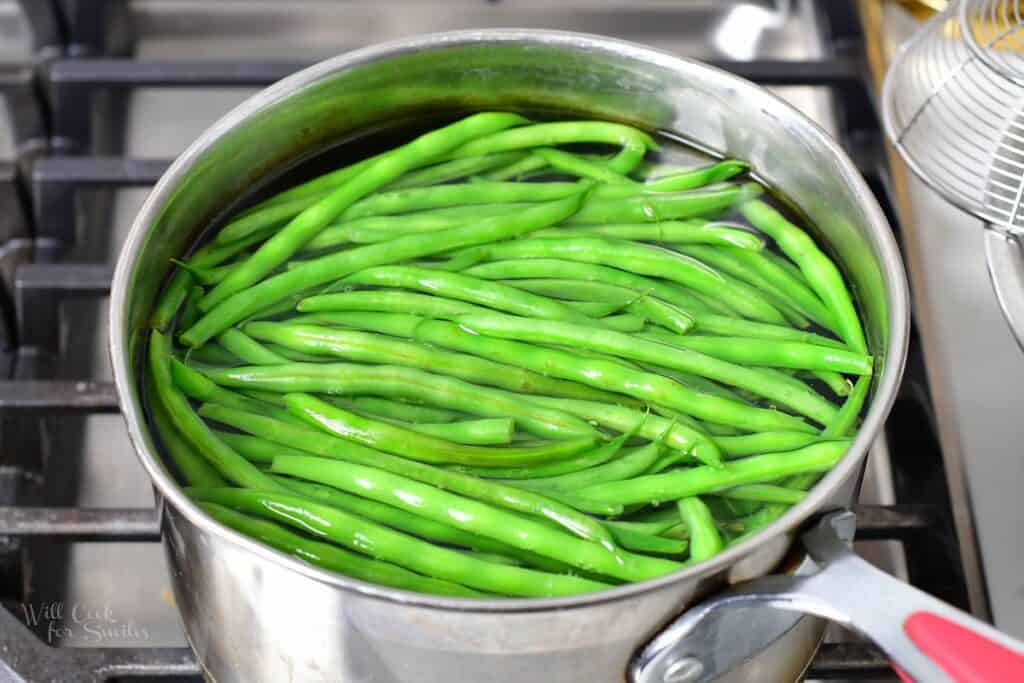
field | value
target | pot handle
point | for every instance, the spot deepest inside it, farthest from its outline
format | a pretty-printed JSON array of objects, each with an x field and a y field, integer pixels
[
  {"x": 927, "y": 640},
  {"x": 1005, "y": 258}
]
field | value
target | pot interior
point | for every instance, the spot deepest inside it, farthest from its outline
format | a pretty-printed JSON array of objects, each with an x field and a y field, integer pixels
[{"x": 560, "y": 75}]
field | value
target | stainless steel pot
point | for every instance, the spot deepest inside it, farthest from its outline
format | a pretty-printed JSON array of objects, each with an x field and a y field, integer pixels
[{"x": 253, "y": 614}]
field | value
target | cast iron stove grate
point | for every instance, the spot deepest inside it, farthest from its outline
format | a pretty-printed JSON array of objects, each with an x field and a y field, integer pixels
[{"x": 51, "y": 97}]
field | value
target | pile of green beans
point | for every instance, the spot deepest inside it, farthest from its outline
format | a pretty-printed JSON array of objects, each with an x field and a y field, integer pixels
[{"x": 485, "y": 364}]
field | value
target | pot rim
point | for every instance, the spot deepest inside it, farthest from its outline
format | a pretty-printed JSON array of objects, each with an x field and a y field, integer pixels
[{"x": 889, "y": 263}]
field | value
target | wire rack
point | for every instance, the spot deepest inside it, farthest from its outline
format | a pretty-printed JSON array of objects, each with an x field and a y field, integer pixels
[{"x": 952, "y": 103}]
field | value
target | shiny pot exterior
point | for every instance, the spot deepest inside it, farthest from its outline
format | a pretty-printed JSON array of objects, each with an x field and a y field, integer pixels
[{"x": 255, "y": 615}]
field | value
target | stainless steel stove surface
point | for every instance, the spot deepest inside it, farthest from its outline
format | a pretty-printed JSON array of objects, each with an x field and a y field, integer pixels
[{"x": 96, "y": 97}]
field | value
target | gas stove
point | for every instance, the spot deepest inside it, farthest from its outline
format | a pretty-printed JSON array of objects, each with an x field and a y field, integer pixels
[{"x": 98, "y": 97}]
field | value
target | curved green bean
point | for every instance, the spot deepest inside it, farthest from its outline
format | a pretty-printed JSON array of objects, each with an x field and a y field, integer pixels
[
  {"x": 323, "y": 444},
  {"x": 374, "y": 229},
  {"x": 632, "y": 464},
  {"x": 417, "y": 525},
  {"x": 607, "y": 341},
  {"x": 408, "y": 384},
  {"x": 550, "y": 268},
  {"x": 822, "y": 274},
  {"x": 390, "y": 166},
  {"x": 774, "y": 353},
  {"x": 764, "y": 493},
  {"x": 346, "y": 530},
  {"x": 367, "y": 347},
  {"x": 472, "y": 516},
  {"x": 638, "y": 258},
  {"x": 767, "y": 276},
  {"x": 248, "y": 349},
  {"x": 583, "y": 461},
  {"x": 634, "y": 143},
  {"x": 705, "y": 540},
  {"x": 845, "y": 420},
  {"x": 763, "y": 442},
  {"x": 454, "y": 169},
  {"x": 194, "y": 469},
  {"x": 693, "y": 481},
  {"x": 196, "y": 433},
  {"x": 609, "y": 206},
  {"x": 391, "y": 438},
  {"x": 693, "y": 231},
  {"x": 330, "y": 268},
  {"x": 332, "y": 557}
]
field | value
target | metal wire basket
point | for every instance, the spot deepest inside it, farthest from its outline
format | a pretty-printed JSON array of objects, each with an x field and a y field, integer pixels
[{"x": 953, "y": 104}]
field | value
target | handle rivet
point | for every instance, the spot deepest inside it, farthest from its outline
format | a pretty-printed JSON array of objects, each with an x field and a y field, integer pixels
[{"x": 683, "y": 670}]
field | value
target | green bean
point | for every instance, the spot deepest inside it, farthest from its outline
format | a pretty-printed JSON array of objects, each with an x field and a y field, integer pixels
[
  {"x": 213, "y": 354},
  {"x": 763, "y": 442},
  {"x": 411, "y": 523},
  {"x": 767, "y": 276},
  {"x": 693, "y": 481},
  {"x": 206, "y": 276},
  {"x": 671, "y": 527},
  {"x": 821, "y": 273},
  {"x": 637, "y": 258},
  {"x": 486, "y": 432},
  {"x": 734, "y": 327},
  {"x": 515, "y": 171},
  {"x": 248, "y": 349},
  {"x": 580, "y": 166},
  {"x": 461, "y": 194},
  {"x": 197, "y": 386},
  {"x": 681, "y": 437},
  {"x": 267, "y": 218},
  {"x": 191, "y": 311},
  {"x": 692, "y": 231},
  {"x": 320, "y": 443},
  {"x": 293, "y": 236},
  {"x": 330, "y": 268},
  {"x": 193, "y": 430},
  {"x": 845, "y": 421},
  {"x": 607, "y": 375},
  {"x": 839, "y": 385},
  {"x": 346, "y": 530},
  {"x": 316, "y": 186},
  {"x": 632, "y": 464},
  {"x": 657, "y": 207},
  {"x": 637, "y": 541},
  {"x": 634, "y": 143},
  {"x": 206, "y": 256},
  {"x": 583, "y": 461},
  {"x": 254, "y": 449},
  {"x": 466, "y": 288},
  {"x": 406, "y": 412},
  {"x": 391, "y": 438},
  {"x": 525, "y": 268},
  {"x": 698, "y": 177},
  {"x": 373, "y": 229},
  {"x": 771, "y": 353},
  {"x": 454, "y": 169},
  {"x": 171, "y": 299},
  {"x": 291, "y": 355},
  {"x": 194, "y": 469},
  {"x": 606, "y": 341},
  {"x": 408, "y": 384},
  {"x": 475, "y": 517},
  {"x": 764, "y": 493},
  {"x": 332, "y": 557},
  {"x": 366, "y": 347},
  {"x": 705, "y": 540},
  {"x": 668, "y": 316}
]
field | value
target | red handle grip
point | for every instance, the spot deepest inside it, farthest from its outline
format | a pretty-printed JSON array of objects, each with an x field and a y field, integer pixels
[{"x": 962, "y": 653}]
